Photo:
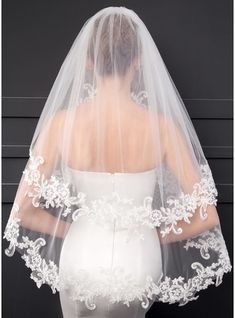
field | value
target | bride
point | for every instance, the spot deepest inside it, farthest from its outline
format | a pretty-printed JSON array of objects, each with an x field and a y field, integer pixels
[{"x": 116, "y": 207}]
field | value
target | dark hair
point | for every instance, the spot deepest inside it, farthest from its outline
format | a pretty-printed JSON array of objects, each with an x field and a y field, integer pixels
[{"x": 124, "y": 46}]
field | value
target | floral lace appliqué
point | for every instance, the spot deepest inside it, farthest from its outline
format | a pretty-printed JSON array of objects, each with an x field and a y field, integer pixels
[
  {"x": 42, "y": 272},
  {"x": 114, "y": 284},
  {"x": 56, "y": 193},
  {"x": 118, "y": 285},
  {"x": 182, "y": 208},
  {"x": 181, "y": 290}
]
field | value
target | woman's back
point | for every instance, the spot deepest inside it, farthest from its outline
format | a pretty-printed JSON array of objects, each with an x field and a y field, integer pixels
[
  {"x": 121, "y": 157},
  {"x": 123, "y": 143}
]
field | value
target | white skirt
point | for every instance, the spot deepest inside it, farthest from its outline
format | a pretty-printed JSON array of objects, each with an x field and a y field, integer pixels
[{"x": 106, "y": 273}]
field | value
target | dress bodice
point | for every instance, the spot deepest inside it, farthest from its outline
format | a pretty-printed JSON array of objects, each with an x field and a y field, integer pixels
[{"x": 94, "y": 184}]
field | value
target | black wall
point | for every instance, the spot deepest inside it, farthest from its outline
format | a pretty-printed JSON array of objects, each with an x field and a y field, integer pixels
[{"x": 195, "y": 40}]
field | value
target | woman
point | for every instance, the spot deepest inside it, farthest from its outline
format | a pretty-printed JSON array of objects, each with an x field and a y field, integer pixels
[{"x": 116, "y": 207}]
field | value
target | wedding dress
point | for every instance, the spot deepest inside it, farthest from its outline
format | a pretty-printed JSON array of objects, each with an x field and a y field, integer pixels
[
  {"x": 116, "y": 206},
  {"x": 102, "y": 260}
]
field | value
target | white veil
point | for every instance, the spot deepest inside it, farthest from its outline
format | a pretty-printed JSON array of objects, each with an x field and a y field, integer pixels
[{"x": 114, "y": 109}]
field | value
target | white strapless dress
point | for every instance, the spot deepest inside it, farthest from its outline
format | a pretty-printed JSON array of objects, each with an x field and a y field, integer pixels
[{"x": 108, "y": 268}]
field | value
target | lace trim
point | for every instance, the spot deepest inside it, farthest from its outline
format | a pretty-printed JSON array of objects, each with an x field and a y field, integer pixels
[
  {"x": 56, "y": 193},
  {"x": 111, "y": 209},
  {"x": 140, "y": 98},
  {"x": 181, "y": 291},
  {"x": 113, "y": 284},
  {"x": 182, "y": 208},
  {"x": 42, "y": 272},
  {"x": 90, "y": 92},
  {"x": 116, "y": 284}
]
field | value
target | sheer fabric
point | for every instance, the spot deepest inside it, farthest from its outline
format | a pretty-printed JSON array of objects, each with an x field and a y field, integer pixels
[{"x": 116, "y": 205}]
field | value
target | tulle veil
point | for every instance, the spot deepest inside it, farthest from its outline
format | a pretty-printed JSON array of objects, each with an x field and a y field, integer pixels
[{"x": 114, "y": 109}]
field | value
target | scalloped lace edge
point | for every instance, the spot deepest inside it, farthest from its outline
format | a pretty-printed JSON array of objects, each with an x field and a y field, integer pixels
[
  {"x": 56, "y": 193},
  {"x": 168, "y": 290}
]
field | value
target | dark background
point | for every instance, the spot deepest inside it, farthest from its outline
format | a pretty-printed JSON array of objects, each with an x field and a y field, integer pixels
[{"x": 195, "y": 40}]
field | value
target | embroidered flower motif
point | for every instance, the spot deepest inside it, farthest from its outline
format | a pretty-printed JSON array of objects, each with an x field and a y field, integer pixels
[
  {"x": 42, "y": 272},
  {"x": 182, "y": 208},
  {"x": 32, "y": 175},
  {"x": 141, "y": 98},
  {"x": 90, "y": 91},
  {"x": 114, "y": 284},
  {"x": 11, "y": 232},
  {"x": 181, "y": 291},
  {"x": 108, "y": 209},
  {"x": 54, "y": 191},
  {"x": 207, "y": 240},
  {"x": 112, "y": 209},
  {"x": 118, "y": 285}
]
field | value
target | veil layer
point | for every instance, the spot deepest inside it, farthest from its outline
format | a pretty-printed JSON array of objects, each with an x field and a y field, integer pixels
[{"x": 115, "y": 152}]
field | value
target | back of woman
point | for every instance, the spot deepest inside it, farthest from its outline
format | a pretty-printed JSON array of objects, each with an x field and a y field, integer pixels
[
  {"x": 116, "y": 174},
  {"x": 125, "y": 136}
]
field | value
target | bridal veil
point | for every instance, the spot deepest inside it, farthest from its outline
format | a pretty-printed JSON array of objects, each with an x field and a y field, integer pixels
[{"x": 113, "y": 108}]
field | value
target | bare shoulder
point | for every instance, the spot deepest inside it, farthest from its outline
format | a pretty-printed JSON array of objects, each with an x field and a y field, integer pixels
[
  {"x": 165, "y": 122},
  {"x": 57, "y": 120},
  {"x": 142, "y": 114},
  {"x": 158, "y": 120},
  {"x": 54, "y": 126}
]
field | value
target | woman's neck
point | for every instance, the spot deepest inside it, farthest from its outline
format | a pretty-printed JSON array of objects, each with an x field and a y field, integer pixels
[{"x": 114, "y": 90}]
